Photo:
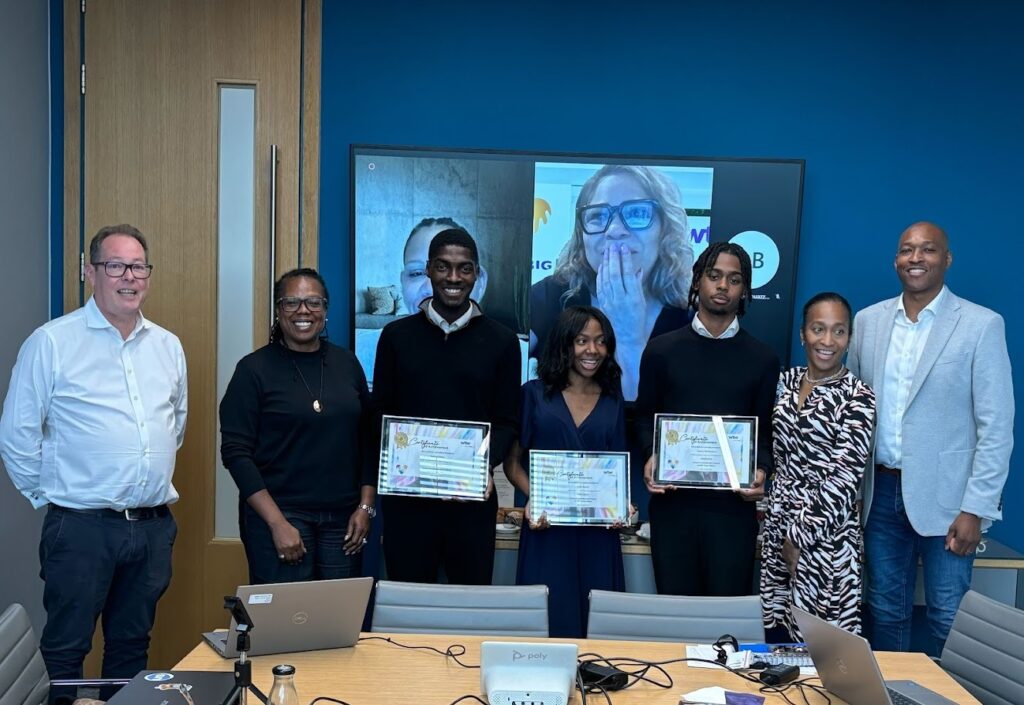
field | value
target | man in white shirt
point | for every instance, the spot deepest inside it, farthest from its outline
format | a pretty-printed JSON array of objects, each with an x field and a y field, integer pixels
[
  {"x": 941, "y": 372},
  {"x": 94, "y": 416}
]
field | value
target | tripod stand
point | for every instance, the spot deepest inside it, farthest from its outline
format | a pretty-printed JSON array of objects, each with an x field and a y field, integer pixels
[{"x": 243, "y": 667}]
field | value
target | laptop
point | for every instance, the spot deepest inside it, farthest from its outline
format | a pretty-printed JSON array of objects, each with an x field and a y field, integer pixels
[
  {"x": 319, "y": 614},
  {"x": 847, "y": 667},
  {"x": 175, "y": 688}
]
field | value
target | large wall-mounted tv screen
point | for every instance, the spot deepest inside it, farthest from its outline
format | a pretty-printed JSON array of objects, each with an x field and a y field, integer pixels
[{"x": 620, "y": 233}]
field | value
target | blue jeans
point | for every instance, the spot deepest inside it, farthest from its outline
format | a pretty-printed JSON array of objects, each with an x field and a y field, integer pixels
[
  {"x": 97, "y": 562},
  {"x": 323, "y": 535},
  {"x": 892, "y": 550}
]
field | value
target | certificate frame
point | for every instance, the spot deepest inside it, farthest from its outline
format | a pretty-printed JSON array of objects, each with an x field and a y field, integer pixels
[
  {"x": 566, "y": 486},
  {"x": 457, "y": 468},
  {"x": 690, "y": 451}
]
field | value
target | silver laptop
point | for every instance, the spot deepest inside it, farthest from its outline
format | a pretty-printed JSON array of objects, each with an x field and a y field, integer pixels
[
  {"x": 848, "y": 668},
  {"x": 320, "y": 614}
]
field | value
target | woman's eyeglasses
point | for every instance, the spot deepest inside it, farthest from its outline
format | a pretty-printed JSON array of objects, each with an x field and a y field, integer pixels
[
  {"x": 635, "y": 215},
  {"x": 291, "y": 304}
]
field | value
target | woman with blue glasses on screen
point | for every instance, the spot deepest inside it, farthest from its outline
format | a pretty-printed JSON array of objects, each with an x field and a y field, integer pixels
[
  {"x": 575, "y": 405},
  {"x": 629, "y": 256}
]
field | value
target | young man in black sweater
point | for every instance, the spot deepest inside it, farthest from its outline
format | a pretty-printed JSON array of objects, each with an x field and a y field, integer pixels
[
  {"x": 449, "y": 361},
  {"x": 702, "y": 541}
]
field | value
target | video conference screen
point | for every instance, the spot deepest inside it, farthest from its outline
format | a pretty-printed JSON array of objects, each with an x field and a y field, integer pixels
[{"x": 618, "y": 233}]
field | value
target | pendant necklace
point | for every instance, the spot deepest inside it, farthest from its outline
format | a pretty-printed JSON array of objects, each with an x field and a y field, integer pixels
[
  {"x": 824, "y": 380},
  {"x": 317, "y": 406}
]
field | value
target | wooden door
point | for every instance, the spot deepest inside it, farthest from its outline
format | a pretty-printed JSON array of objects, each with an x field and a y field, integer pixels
[{"x": 142, "y": 141}]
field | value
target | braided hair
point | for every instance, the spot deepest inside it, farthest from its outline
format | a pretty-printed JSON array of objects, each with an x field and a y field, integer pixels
[
  {"x": 302, "y": 272},
  {"x": 706, "y": 262}
]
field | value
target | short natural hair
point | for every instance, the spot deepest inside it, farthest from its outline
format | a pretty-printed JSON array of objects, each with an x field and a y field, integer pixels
[
  {"x": 669, "y": 279},
  {"x": 558, "y": 355},
  {"x": 108, "y": 230},
  {"x": 707, "y": 260},
  {"x": 829, "y": 296},
  {"x": 453, "y": 237}
]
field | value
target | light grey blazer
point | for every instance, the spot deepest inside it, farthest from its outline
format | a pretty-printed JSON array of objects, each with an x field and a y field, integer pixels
[{"x": 958, "y": 425}]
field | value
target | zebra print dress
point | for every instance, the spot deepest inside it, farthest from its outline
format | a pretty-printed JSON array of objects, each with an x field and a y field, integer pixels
[{"x": 820, "y": 453}]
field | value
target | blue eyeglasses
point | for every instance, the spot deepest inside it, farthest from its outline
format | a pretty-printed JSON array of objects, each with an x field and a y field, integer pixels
[{"x": 638, "y": 214}]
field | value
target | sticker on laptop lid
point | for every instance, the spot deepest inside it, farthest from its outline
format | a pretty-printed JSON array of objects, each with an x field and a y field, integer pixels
[
  {"x": 157, "y": 677},
  {"x": 263, "y": 598}
]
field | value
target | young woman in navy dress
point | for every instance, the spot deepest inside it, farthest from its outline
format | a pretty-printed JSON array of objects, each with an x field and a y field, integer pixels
[{"x": 576, "y": 404}]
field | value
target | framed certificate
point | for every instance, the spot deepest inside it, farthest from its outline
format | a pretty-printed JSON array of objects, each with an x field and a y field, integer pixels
[
  {"x": 434, "y": 458},
  {"x": 713, "y": 452},
  {"x": 574, "y": 487}
]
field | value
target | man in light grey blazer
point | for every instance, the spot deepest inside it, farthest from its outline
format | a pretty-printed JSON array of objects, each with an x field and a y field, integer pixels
[{"x": 941, "y": 372}]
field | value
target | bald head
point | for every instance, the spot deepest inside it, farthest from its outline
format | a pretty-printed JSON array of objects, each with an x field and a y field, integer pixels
[
  {"x": 930, "y": 230},
  {"x": 922, "y": 259}
]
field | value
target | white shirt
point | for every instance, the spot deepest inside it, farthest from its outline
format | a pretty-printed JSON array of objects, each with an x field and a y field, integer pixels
[
  {"x": 456, "y": 325},
  {"x": 730, "y": 330},
  {"x": 905, "y": 348},
  {"x": 92, "y": 421}
]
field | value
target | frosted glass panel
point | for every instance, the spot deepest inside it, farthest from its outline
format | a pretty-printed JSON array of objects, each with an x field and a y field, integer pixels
[{"x": 235, "y": 255}]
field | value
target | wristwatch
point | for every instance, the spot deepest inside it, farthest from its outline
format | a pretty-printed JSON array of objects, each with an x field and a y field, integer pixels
[{"x": 369, "y": 510}]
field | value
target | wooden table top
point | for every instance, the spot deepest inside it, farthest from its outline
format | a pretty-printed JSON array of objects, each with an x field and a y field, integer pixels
[{"x": 375, "y": 671}]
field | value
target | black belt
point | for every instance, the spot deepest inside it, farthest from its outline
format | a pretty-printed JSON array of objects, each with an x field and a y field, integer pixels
[
  {"x": 885, "y": 470},
  {"x": 134, "y": 514}
]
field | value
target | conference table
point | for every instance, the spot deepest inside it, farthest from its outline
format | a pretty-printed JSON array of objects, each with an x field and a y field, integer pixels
[{"x": 376, "y": 672}]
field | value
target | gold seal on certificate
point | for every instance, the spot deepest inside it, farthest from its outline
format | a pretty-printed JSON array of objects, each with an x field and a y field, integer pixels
[
  {"x": 578, "y": 487},
  {"x": 714, "y": 452},
  {"x": 434, "y": 458}
]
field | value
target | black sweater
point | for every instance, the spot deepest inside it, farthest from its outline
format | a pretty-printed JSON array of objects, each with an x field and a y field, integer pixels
[
  {"x": 683, "y": 372},
  {"x": 470, "y": 375},
  {"x": 271, "y": 438}
]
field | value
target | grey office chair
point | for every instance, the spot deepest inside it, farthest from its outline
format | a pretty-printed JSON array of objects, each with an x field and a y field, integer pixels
[
  {"x": 985, "y": 650},
  {"x": 638, "y": 617},
  {"x": 23, "y": 679},
  {"x": 418, "y": 608}
]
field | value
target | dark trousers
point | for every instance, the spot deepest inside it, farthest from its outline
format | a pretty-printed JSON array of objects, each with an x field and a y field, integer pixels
[
  {"x": 423, "y": 535},
  {"x": 323, "y": 535},
  {"x": 702, "y": 543},
  {"x": 97, "y": 562}
]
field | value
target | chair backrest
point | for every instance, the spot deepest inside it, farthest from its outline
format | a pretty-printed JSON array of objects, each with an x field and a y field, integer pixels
[
  {"x": 985, "y": 650},
  {"x": 501, "y": 610},
  {"x": 638, "y": 617},
  {"x": 23, "y": 679}
]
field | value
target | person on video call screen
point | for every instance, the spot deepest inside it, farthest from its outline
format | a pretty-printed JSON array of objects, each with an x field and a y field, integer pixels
[
  {"x": 629, "y": 255},
  {"x": 415, "y": 283}
]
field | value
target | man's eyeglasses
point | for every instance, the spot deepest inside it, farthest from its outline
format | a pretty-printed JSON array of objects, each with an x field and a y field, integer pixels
[
  {"x": 291, "y": 304},
  {"x": 116, "y": 269},
  {"x": 636, "y": 215}
]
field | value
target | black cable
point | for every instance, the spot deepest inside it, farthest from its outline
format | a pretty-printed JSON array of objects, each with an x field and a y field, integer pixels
[
  {"x": 469, "y": 697},
  {"x": 449, "y": 652},
  {"x": 314, "y": 701},
  {"x": 641, "y": 674}
]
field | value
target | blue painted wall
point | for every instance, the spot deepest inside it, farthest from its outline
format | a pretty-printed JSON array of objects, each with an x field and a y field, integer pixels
[{"x": 903, "y": 111}]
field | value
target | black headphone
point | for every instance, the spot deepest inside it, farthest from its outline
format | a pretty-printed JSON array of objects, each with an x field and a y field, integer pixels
[{"x": 721, "y": 642}]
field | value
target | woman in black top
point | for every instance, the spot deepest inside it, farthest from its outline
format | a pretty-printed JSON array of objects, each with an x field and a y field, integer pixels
[{"x": 295, "y": 420}]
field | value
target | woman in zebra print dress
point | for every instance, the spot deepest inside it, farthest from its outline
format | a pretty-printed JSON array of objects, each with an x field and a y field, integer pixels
[{"x": 822, "y": 424}]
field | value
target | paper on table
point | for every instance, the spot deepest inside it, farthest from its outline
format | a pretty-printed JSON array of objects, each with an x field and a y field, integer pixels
[
  {"x": 704, "y": 696},
  {"x": 719, "y": 696}
]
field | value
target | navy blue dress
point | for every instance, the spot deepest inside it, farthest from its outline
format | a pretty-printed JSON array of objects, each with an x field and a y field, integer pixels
[{"x": 570, "y": 560}]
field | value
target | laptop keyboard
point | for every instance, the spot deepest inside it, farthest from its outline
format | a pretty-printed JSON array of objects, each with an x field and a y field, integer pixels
[
  {"x": 801, "y": 660},
  {"x": 900, "y": 698}
]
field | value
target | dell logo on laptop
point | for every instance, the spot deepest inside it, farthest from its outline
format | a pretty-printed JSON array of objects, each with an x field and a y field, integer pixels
[{"x": 300, "y": 618}]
